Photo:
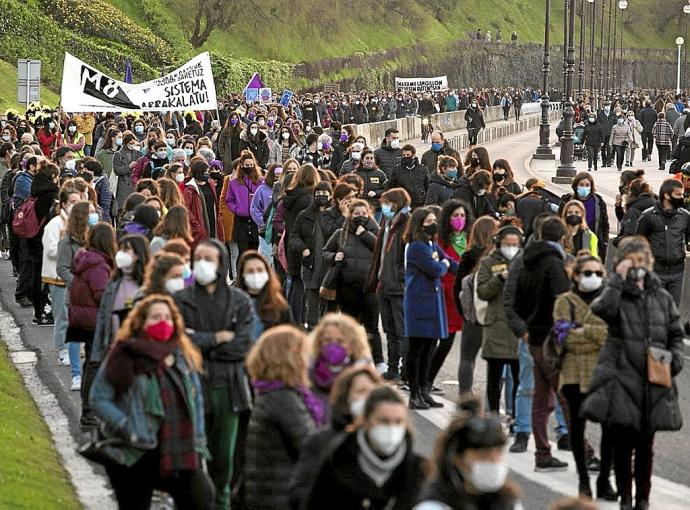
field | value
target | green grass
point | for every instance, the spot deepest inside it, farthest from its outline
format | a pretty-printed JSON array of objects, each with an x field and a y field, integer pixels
[
  {"x": 31, "y": 476},
  {"x": 8, "y": 91}
]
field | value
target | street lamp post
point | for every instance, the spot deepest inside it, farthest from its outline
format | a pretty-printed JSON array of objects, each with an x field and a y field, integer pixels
[
  {"x": 601, "y": 54},
  {"x": 613, "y": 64},
  {"x": 686, "y": 11},
  {"x": 622, "y": 5},
  {"x": 608, "y": 50},
  {"x": 679, "y": 42},
  {"x": 592, "y": 72},
  {"x": 566, "y": 170},
  {"x": 581, "y": 64},
  {"x": 544, "y": 148}
]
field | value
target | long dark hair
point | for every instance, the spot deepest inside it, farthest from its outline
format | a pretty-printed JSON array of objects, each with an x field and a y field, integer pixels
[
  {"x": 140, "y": 246},
  {"x": 414, "y": 231},
  {"x": 270, "y": 301},
  {"x": 175, "y": 225},
  {"x": 444, "y": 228}
]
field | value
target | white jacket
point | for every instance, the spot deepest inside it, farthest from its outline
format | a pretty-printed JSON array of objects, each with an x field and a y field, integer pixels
[{"x": 51, "y": 237}]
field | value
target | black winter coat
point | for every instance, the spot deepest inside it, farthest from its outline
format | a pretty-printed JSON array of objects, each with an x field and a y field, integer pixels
[
  {"x": 331, "y": 221},
  {"x": 442, "y": 490},
  {"x": 480, "y": 205},
  {"x": 474, "y": 118},
  {"x": 279, "y": 424},
  {"x": 430, "y": 157},
  {"x": 620, "y": 394},
  {"x": 295, "y": 200},
  {"x": 258, "y": 146},
  {"x": 528, "y": 207},
  {"x": 606, "y": 121},
  {"x": 647, "y": 117},
  {"x": 308, "y": 234},
  {"x": 414, "y": 180},
  {"x": 440, "y": 189},
  {"x": 342, "y": 485},
  {"x": 392, "y": 280},
  {"x": 358, "y": 250},
  {"x": 633, "y": 211},
  {"x": 682, "y": 152},
  {"x": 387, "y": 158},
  {"x": 374, "y": 180},
  {"x": 541, "y": 280},
  {"x": 593, "y": 134},
  {"x": 667, "y": 233}
]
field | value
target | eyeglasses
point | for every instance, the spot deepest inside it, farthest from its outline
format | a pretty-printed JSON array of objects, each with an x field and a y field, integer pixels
[{"x": 590, "y": 273}]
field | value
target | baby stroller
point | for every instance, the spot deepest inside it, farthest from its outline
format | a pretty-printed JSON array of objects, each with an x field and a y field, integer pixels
[{"x": 580, "y": 151}]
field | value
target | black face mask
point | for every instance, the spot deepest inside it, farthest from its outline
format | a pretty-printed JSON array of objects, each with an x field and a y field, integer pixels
[
  {"x": 430, "y": 230},
  {"x": 216, "y": 176},
  {"x": 322, "y": 200},
  {"x": 200, "y": 176},
  {"x": 360, "y": 221},
  {"x": 499, "y": 177},
  {"x": 676, "y": 202},
  {"x": 573, "y": 220},
  {"x": 407, "y": 162},
  {"x": 474, "y": 161}
]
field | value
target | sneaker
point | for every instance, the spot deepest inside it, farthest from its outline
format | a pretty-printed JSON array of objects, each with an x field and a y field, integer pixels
[
  {"x": 63, "y": 358},
  {"x": 76, "y": 383},
  {"x": 593, "y": 463},
  {"x": 520, "y": 444},
  {"x": 564, "y": 443},
  {"x": 435, "y": 390},
  {"x": 382, "y": 368},
  {"x": 42, "y": 321},
  {"x": 550, "y": 464}
]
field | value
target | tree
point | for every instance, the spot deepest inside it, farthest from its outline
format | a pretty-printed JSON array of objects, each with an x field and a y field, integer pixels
[{"x": 210, "y": 15}]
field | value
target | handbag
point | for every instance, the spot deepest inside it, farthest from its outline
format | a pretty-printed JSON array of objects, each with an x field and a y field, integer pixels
[
  {"x": 659, "y": 366},
  {"x": 103, "y": 450},
  {"x": 673, "y": 167},
  {"x": 327, "y": 290}
]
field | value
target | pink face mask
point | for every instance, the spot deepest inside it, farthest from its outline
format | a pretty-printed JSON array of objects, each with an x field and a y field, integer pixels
[{"x": 457, "y": 223}]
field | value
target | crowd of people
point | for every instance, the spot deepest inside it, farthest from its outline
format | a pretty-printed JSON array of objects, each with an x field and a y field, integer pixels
[{"x": 226, "y": 278}]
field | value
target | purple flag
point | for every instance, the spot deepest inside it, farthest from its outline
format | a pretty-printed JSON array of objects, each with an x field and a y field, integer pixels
[{"x": 255, "y": 82}]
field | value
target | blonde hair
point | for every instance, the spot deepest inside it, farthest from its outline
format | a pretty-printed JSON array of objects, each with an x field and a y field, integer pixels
[
  {"x": 353, "y": 332},
  {"x": 280, "y": 354},
  {"x": 577, "y": 204}
]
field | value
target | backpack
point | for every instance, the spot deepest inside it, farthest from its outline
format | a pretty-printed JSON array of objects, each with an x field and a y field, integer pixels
[
  {"x": 25, "y": 222},
  {"x": 480, "y": 306}
]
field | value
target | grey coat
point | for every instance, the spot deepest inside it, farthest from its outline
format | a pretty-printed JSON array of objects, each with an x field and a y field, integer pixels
[
  {"x": 121, "y": 161},
  {"x": 67, "y": 249},
  {"x": 498, "y": 341}
]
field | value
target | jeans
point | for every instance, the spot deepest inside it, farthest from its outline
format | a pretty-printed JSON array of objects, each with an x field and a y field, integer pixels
[
  {"x": 509, "y": 388},
  {"x": 592, "y": 156},
  {"x": 642, "y": 443},
  {"x": 87, "y": 150},
  {"x": 664, "y": 153},
  {"x": 392, "y": 319},
  {"x": 59, "y": 306},
  {"x": 673, "y": 283},
  {"x": 543, "y": 401},
  {"x": 470, "y": 343},
  {"x": 222, "y": 424},
  {"x": 523, "y": 396}
]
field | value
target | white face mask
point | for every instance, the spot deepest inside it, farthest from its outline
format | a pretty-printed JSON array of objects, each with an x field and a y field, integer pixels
[
  {"x": 357, "y": 407},
  {"x": 356, "y": 155},
  {"x": 70, "y": 164},
  {"x": 254, "y": 131},
  {"x": 68, "y": 209},
  {"x": 174, "y": 285},
  {"x": 487, "y": 476},
  {"x": 205, "y": 272},
  {"x": 123, "y": 260},
  {"x": 286, "y": 135},
  {"x": 386, "y": 438},
  {"x": 171, "y": 141},
  {"x": 256, "y": 281},
  {"x": 509, "y": 251},
  {"x": 179, "y": 177},
  {"x": 589, "y": 283},
  {"x": 395, "y": 144},
  {"x": 481, "y": 192}
]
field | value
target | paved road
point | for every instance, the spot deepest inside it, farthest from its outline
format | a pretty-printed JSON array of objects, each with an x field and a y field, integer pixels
[{"x": 672, "y": 464}]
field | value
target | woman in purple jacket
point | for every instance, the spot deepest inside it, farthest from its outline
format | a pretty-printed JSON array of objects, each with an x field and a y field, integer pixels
[{"x": 241, "y": 191}]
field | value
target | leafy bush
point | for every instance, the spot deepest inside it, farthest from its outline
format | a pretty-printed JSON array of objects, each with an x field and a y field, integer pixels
[{"x": 100, "y": 19}]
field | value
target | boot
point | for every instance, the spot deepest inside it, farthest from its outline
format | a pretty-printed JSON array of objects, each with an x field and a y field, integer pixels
[
  {"x": 416, "y": 402},
  {"x": 427, "y": 397},
  {"x": 584, "y": 490},
  {"x": 605, "y": 490},
  {"x": 520, "y": 444}
]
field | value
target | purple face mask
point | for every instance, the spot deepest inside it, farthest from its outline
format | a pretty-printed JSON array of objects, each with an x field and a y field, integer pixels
[
  {"x": 326, "y": 146},
  {"x": 234, "y": 121},
  {"x": 332, "y": 359},
  {"x": 251, "y": 115},
  {"x": 343, "y": 137}
]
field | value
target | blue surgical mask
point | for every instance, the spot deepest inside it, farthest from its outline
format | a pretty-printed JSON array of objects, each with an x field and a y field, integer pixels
[
  {"x": 139, "y": 129},
  {"x": 188, "y": 152},
  {"x": 186, "y": 272},
  {"x": 452, "y": 173},
  {"x": 405, "y": 210},
  {"x": 436, "y": 146},
  {"x": 387, "y": 210},
  {"x": 583, "y": 191},
  {"x": 93, "y": 218}
]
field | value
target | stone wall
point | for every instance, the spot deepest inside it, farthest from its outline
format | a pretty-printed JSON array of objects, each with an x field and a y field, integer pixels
[{"x": 480, "y": 64}]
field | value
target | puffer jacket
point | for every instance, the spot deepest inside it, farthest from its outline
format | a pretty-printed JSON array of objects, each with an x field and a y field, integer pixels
[
  {"x": 308, "y": 234},
  {"x": 498, "y": 341},
  {"x": 440, "y": 189},
  {"x": 633, "y": 211},
  {"x": 358, "y": 250},
  {"x": 91, "y": 269},
  {"x": 620, "y": 394},
  {"x": 621, "y": 133},
  {"x": 481, "y": 205},
  {"x": 279, "y": 424},
  {"x": 682, "y": 152},
  {"x": 667, "y": 233},
  {"x": 414, "y": 179},
  {"x": 374, "y": 180},
  {"x": 387, "y": 158},
  {"x": 257, "y": 145}
]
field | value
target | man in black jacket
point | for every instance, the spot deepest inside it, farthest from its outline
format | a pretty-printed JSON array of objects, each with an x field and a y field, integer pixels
[
  {"x": 542, "y": 278},
  {"x": 593, "y": 138},
  {"x": 221, "y": 322},
  {"x": 411, "y": 175},
  {"x": 667, "y": 228},
  {"x": 439, "y": 147},
  {"x": 647, "y": 118},
  {"x": 607, "y": 119},
  {"x": 389, "y": 154}
]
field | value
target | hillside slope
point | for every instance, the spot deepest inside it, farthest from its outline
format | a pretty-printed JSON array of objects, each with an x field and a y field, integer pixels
[{"x": 8, "y": 89}]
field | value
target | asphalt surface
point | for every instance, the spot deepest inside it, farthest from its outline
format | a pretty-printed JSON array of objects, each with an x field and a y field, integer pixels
[{"x": 672, "y": 461}]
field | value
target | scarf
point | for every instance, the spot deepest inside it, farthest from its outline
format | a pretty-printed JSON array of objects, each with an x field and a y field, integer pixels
[
  {"x": 376, "y": 468},
  {"x": 458, "y": 241},
  {"x": 176, "y": 433},
  {"x": 312, "y": 403},
  {"x": 133, "y": 357}
]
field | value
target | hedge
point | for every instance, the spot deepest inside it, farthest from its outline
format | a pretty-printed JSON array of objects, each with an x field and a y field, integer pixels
[{"x": 232, "y": 75}]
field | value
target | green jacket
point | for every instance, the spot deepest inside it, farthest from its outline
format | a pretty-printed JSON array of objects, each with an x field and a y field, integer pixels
[{"x": 498, "y": 341}]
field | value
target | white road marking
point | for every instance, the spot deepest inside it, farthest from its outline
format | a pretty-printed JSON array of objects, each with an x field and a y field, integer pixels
[{"x": 666, "y": 495}]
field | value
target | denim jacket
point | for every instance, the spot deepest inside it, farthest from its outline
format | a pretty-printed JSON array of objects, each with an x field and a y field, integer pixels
[{"x": 139, "y": 412}]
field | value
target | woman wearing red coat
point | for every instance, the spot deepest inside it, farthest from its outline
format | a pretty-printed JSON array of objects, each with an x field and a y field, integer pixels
[
  {"x": 48, "y": 136},
  {"x": 454, "y": 227},
  {"x": 202, "y": 203},
  {"x": 91, "y": 269}
]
